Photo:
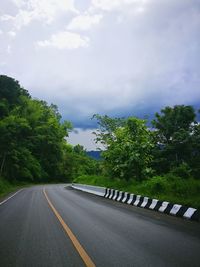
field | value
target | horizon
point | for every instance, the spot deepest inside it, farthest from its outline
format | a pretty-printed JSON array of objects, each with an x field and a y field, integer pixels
[{"x": 121, "y": 58}]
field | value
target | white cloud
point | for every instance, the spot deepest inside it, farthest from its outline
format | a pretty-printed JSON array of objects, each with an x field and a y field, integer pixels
[
  {"x": 65, "y": 40},
  {"x": 41, "y": 10},
  {"x": 83, "y": 137},
  {"x": 6, "y": 17},
  {"x": 23, "y": 18},
  {"x": 48, "y": 9},
  {"x": 19, "y": 3},
  {"x": 84, "y": 22},
  {"x": 12, "y": 34},
  {"x": 46, "y": 6},
  {"x": 109, "y": 5},
  {"x": 9, "y": 49},
  {"x": 143, "y": 61},
  {"x": 1, "y": 32}
]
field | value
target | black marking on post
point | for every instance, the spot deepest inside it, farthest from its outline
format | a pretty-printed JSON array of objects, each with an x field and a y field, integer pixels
[
  {"x": 158, "y": 205},
  {"x": 149, "y": 202},
  {"x": 196, "y": 216},
  {"x": 140, "y": 201},
  {"x": 105, "y": 192},
  {"x": 169, "y": 207},
  {"x": 117, "y": 195},
  {"x": 181, "y": 211},
  {"x": 127, "y": 198},
  {"x": 134, "y": 199},
  {"x": 113, "y": 194},
  {"x": 109, "y": 191},
  {"x": 122, "y": 196}
]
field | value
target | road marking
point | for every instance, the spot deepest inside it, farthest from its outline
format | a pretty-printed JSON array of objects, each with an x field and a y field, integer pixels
[
  {"x": 87, "y": 260},
  {"x": 10, "y": 197}
]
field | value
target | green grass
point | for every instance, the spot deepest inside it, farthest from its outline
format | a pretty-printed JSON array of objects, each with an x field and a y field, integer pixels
[
  {"x": 6, "y": 187},
  {"x": 167, "y": 188}
]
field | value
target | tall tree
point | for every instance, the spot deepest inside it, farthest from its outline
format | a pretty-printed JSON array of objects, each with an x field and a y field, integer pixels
[
  {"x": 174, "y": 128},
  {"x": 10, "y": 93},
  {"x": 32, "y": 136},
  {"x": 128, "y": 147}
]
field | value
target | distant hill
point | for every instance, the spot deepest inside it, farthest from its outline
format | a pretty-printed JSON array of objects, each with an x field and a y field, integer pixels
[{"x": 94, "y": 154}]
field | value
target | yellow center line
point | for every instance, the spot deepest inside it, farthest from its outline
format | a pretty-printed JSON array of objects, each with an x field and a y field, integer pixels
[{"x": 85, "y": 257}]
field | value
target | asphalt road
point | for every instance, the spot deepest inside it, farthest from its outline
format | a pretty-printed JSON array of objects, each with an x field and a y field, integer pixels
[{"x": 105, "y": 233}]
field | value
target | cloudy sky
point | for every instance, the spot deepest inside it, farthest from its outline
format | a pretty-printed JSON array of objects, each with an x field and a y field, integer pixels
[{"x": 114, "y": 57}]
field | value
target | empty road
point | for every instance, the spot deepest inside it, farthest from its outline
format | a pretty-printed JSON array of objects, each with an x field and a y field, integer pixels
[{"x": 55, "y": 225}]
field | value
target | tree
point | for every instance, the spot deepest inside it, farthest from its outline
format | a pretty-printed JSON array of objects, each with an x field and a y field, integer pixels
[
  {"x": 79, "y": 149},
  {"x": 10, "y": 94},
  {"x": 194, "y": 161},
  {"x": 17, "y": 162},
  {"x": 76, "y": 162},
  {"x": 128, "y": 145},
  {"x": 32, "y": 137},
  {"x": 106, "y": 128},
  {"x": 174, "y": 129}
]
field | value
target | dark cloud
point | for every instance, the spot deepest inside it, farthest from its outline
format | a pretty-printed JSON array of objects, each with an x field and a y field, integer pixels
[{"x": 139, "y": 57}]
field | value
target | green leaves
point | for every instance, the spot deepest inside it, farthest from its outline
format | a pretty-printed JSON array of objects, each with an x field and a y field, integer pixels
[
  {"x": 177, "y": 138},
  {"x": 129, "y": 144},
  {"x": 31, "y": 135},
  {"x": 134, "y": 151}
]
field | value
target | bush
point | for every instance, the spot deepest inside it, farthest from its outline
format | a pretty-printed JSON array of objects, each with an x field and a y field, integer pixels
[{"x": 183, "y": 171}]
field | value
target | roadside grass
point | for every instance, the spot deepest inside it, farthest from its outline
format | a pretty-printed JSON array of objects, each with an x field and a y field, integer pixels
[
  {"x": 166, "y": 188},
  {"x": 7, "y": 187}
]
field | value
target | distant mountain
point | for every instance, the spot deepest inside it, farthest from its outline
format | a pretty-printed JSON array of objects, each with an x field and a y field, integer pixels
[{"x": 94, "y": 154}]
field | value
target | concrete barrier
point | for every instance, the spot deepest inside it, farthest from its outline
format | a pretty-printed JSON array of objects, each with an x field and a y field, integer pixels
[
  {"x": 141, "y": 201},
  {"x": 96, "y": 190}
]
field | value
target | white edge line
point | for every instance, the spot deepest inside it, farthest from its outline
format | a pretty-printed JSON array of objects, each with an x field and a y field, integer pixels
[{"x": 10, "y": 197}]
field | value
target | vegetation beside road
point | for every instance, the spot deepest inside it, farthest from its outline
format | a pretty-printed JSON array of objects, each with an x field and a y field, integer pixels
[
  {"x": 33, "y": 146},
  {"x": 159, "y": 159},
  {"x": 162, "y": 161},
  {"x": 7, "y": 187}
]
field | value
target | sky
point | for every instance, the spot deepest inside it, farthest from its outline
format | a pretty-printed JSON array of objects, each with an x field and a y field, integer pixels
[{"x": 114, "y": 57}]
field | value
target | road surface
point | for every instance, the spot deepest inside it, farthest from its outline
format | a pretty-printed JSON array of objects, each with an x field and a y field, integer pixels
[{"x": 54, "y": 225}]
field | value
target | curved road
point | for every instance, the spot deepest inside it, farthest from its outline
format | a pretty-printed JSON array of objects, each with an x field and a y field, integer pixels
[{"x": 57, "y": 226}]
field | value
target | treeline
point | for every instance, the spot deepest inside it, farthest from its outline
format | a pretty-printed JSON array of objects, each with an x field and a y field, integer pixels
[
  {"x": 135, "y": 151},
  {"x": 33, "y": 144}
]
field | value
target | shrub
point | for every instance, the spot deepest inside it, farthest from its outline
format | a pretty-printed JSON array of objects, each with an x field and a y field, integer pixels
[{"x": 183, "y": 171}]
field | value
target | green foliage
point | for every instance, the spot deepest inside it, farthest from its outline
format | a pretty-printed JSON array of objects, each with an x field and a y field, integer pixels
[
  {"x": 107, "y": 126},
  {"x": 174, "y": 137},
  {"x": 172, "y": 120},
  {"x": 32, "y": 138},
  {"x": 33, "y": 148},
  {"x": 194, "y": 160},
  {"x": 183, "y": 171},
  {"x": 8, "y": 187},
  {"x": 5, "y": 186},
  {"x": 78, "y": 149},
  {"x": 76, "y": 162},
  {"x": 128, "y": 147},
  {"x": 10, "y": 94}
]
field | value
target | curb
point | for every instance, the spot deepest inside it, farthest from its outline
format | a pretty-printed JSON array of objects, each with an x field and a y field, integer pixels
[
  {"x": 153, "y": 204},
  {"x": 142, "y": 201}
]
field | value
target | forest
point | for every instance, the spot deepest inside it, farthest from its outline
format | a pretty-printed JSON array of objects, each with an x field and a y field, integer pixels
[
  {"x": 160, "y": 158},
  {"x": 33, "y": 146}
]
